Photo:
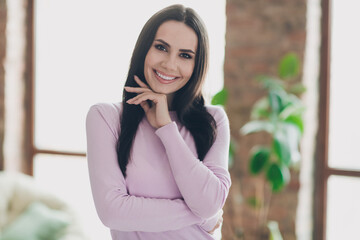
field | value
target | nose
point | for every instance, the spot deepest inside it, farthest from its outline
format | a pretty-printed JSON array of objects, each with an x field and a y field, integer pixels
[{"x": 170, "y": 62}]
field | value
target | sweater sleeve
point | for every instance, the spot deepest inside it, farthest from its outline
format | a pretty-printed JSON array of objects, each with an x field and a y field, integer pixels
[
  {"x": 116, "y": 208},
  {"x": 203, "y": 185}
]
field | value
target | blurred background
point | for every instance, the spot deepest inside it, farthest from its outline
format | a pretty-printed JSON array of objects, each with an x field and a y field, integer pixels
[{"x": 57, "y": 58}]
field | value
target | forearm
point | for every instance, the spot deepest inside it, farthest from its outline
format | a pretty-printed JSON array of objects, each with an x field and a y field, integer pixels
[
  {"x": 203, "y": 185},
  {"x": 123, "y": 212}
]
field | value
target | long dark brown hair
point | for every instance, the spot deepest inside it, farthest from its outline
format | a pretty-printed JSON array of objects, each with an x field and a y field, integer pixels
[{"x": 188, "y": 102}]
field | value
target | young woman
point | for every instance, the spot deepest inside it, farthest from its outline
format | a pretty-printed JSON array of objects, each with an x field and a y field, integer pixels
[{"x": 158, "y": 161}]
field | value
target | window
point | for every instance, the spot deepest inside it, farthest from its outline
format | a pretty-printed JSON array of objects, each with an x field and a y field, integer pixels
[
  {"x": 338, "y": 170},
  {"x": 82, "y": 53}
]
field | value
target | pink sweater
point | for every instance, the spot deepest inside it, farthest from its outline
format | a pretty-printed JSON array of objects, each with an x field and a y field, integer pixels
[{"x": 168, "y": 193}]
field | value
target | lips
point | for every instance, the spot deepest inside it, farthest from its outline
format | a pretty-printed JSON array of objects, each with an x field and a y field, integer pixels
[{"x": 164, "y": 78}]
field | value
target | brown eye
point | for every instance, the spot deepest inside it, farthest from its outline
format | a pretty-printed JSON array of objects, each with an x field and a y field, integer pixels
[
  {"x": 160, "y": 47},
  {"x": 186, "y": 56}
]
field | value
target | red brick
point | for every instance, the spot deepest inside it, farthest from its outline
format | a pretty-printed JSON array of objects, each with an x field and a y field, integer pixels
[{"x": 259, "y": 33}]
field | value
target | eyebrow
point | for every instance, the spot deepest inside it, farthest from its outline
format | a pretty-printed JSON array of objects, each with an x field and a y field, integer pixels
[{"x": 168, "y": 45}]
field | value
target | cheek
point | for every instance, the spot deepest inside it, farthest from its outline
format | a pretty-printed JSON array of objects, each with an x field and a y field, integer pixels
[
  {"x": 147, "y": 62},
  {"x": 150, "y": 58},
  {"x": 188, "y": 70}
]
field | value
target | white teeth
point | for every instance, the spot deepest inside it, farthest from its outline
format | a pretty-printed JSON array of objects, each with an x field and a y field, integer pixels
[{"x": 165, "y": 77}]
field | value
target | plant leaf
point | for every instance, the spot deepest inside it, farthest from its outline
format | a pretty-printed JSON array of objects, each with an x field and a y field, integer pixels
[
  {"x": 297, "y": 121},
  {"x": 297, "y": 89},
  {"x": 292, "y": 109},
  {"x": 281, "y": 147},
  {"x": 269, "y": 82},
  {"x": 231, "y": 153},
  {"x": 293, "y": 99},
  {"x": 275, "y": 102},
  {"x": 278, "y": 175},
  {"x": 286, "y": 143},
  {"x": 261, "y": 109},
  {"x": 275, "y": 233},
  {"x": 289, "y": 66},
  {"x": 293, "y": 112},
  {"x": 278, "y": 100},
  {"x": 293, "y": 134},
  {"x": 220, "y": 98},
  {"x": 257, "y": 126},
  {"x": 259, "y": 159}
]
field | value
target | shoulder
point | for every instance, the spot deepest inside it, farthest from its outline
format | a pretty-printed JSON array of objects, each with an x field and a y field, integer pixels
[
  {"x": 107, "y": 109},
  {"x": 108, "y": 112},
  {"x": 217, "y": 112}
]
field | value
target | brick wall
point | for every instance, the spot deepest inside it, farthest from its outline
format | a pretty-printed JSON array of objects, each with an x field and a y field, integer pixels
[
  {"x": 259, "y": 33},
  {"x": 3, "y": 16}
]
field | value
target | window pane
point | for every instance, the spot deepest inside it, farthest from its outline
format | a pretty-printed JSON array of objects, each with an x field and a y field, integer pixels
[
  {"x": 344, "y": 97},
  {"x": 67, "y": 177},
  {"x": 343, "y": 211},
  {"x": 82, "y": 57}
]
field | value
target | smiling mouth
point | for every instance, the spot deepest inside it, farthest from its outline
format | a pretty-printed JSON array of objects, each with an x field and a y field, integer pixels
[{"x": 165, "y": 78}]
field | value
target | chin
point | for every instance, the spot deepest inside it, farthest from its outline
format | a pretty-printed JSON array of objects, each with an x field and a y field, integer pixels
[{"x": 163, "y": 91}]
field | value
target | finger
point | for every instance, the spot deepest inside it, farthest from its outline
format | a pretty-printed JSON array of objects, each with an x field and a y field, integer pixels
[
  {"x": 143, "y": 97},
  {"x": 145, "y": 106},
  {"x": 132, "y": 100},
  {"x": 136, "y": 89},
  {"x": 135, "y": 100},
  {"x": 213, "y": 230},
  {"x": 141, "y": 83}
]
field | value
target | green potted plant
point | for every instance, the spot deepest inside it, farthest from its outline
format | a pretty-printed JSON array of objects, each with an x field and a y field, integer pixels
[{"x": 280, "y": 115}]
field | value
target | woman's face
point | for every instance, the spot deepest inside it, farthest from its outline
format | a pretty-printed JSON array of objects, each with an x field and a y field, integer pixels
[{"x": 170, "y": 60}]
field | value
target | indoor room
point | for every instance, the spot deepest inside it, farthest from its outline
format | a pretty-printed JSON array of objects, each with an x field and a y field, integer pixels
[{"x": 280, "y": 164}]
